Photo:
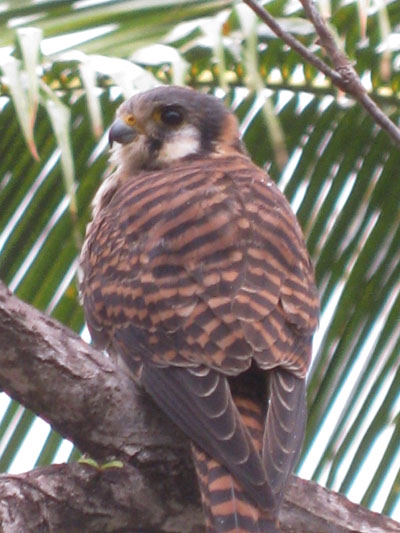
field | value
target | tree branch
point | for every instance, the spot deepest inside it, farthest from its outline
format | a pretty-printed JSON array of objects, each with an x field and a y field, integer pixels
[
  {"x": 342, "y": 75},
  {"x": 78, "y": 497},
  {"x": 91, "y": 400},
  {"x": 48, "y": 368}
]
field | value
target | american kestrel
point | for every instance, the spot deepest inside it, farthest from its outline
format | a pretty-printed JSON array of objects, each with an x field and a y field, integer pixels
[{"x": 195, "y": 272}]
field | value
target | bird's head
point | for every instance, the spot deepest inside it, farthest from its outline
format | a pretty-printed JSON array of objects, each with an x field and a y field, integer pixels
[{"x": 159, "y": 127}]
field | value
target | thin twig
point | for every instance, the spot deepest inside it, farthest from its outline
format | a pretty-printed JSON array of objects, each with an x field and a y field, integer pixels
[
  {"x": 343, "y": 75},
  {"x": 347, "y": 73},
  {"x": 341, "y": 63},
  {"x": 293, "y": 42}
]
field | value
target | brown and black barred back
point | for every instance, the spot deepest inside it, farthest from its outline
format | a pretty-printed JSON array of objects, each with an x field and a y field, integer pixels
[{"x": 196, "y": 273}]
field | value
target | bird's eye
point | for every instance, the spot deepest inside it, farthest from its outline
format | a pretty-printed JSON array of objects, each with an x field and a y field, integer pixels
[
  {"x": 130, "y": 120},
  {"x": 171, "y": 115}
]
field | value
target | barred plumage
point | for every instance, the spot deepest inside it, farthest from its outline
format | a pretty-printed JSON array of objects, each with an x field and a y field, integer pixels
[
  {"x": 196, "y": 272},
  {"x": 220, "y": 492}
]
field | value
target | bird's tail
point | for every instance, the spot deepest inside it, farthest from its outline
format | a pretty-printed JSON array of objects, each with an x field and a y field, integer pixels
[{"x": 226, "y": 507}]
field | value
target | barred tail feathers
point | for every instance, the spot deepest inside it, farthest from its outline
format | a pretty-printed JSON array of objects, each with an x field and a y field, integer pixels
[{"x": 226, "y": 507}]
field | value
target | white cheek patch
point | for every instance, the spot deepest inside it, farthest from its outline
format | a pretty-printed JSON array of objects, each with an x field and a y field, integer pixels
[{"x": 180, "y": 143}]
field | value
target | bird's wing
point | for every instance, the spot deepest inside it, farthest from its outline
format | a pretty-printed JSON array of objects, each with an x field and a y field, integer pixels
[
  {"x": 200, "y": 403},
  {"x": 284, "y": 429},
  {"x": 203, "y": 267},
  {"x": 285, "y": 308}
]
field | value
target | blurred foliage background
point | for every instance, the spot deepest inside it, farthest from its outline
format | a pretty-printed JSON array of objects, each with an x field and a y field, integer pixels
[{"x": 66, "y": 65}]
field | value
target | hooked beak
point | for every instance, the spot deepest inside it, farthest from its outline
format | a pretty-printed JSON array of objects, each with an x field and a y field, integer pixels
[{"x": 121, "y": 133}]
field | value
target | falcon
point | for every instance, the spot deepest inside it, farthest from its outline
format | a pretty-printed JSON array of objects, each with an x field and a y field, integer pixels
[{"x": 195, "y": 272}]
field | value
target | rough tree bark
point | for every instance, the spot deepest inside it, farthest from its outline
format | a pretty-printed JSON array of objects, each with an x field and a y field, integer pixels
[{"x": 91, "y": 400}]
